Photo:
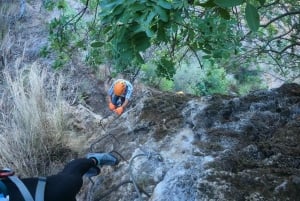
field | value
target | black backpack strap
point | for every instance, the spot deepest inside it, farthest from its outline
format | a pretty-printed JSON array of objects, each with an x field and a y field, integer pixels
[
  {"x": 22, "y": 188},
  {"x": 40, "y": 189}
]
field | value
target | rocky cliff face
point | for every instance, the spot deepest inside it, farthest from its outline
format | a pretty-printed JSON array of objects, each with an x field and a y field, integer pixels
[
  {"x": 179, "y": 147},
  {"x": 175, "y": 146}
]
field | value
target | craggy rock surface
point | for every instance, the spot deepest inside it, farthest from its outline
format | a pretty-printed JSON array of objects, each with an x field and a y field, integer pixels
[
  {"x": 175, "y": 147},
  {"x": 179, "y": 147}
]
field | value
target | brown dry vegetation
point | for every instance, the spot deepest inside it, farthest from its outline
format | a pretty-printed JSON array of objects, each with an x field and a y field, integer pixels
[
  {"x": 33, "y": 132},
  {"x": 39, "y": 130}
]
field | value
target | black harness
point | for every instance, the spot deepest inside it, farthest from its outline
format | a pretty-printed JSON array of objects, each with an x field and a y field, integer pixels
[{"x": 9, "y": 174}]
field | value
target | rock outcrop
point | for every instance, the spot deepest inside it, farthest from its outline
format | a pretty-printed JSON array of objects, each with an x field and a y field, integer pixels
[
  {"x": 180, "y": 147},
  {"x": 176, "y": 147}
]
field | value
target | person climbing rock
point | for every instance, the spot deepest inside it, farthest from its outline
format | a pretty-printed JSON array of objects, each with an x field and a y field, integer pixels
[
  {"x": 59, "y": 187},
  {"x": 119, "y": 95}
]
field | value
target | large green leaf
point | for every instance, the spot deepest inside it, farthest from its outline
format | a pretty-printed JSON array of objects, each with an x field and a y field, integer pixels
[
  {"x": 139, "y": 58},
  {"x": 206, "y": 57},
  {"x": 262, "y": 2},
  {"x": 178, "y": 4},
  {"x": 137, "y": 7},
  {"x": 208, "y": 4},
  {"x": 162, "y": 33},
  {"x": 252, "y": 17},
  {"x": 108, "y": 5},
  {"x": 228, "y": 3},
  {"x": 161, "y": 13},
  {"x": 149, "y": 18},
  {"x": 224, "y": 13},
  {"x": 165, "y": 4},
  {"x": 144, "y": 23},
  {"x": 141, "y": 41},
  {"x": 97, "y": 44}
]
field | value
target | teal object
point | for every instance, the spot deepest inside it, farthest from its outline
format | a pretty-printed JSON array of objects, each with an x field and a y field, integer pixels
[
  {"x": 3, "y": 189},
  {"x": 2, "y": 198}
]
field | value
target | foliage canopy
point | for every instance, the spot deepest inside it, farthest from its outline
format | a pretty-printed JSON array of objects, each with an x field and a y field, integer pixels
[{"x": 232, "y": 33}]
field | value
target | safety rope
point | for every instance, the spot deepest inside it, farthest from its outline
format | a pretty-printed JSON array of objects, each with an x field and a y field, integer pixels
[
  {"x": 132, "y": 180},
  {"x": 104, "y": 129},
  {"x": 108, "y": 124},
  {"x": 149, "y": 155}
]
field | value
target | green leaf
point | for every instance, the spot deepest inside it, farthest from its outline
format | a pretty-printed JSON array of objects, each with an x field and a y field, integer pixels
[
  {"x": 118, "y": 10},
  {"x": 224, "y": 13},
  {"x": 252, "y": 17},
  {"x": 150, "y": 18},
  {"x": 149, "y": 32},
  {"x": 108, "y": 8},
  {"x": 144, "y": 24},
  {"x": 97, "y": 44},
  {"x": 110, "y": 5},
  {"x": 161, "y": 34},
  {"x": 61, "y": 4},
  {"x": 80, "y": 44},
  {"x": 207, "y": 48},
  {"x": 165, "y": 68},
  {"x": 178, "y": 4},
  {"x": 139, "y": 58},
  {"x": 162, "y": 13},
  {"x": 141, "y": 41},
  {"x": 206, "y": 56},
  {"x": 137, "y": 7},
  {"x": 208, "y": 4},
  {"x": 164, "y": 4},
  {"x": 262, "y": 2},
  {"x": 228, "y": 3},
  {"x": 217, "y": 54}
]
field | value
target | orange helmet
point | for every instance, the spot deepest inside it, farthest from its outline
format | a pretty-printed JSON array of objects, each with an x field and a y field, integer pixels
[{"x": 119, "y": 88}]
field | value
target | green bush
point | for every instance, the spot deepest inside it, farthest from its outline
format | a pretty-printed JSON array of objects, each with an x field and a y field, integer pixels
[
  {"x": 149, "y": 76},
  {"x": 166, "y": 85},
  {"x": 213, "y": 81}
]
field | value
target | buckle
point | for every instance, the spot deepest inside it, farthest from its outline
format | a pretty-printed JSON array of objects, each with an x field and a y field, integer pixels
[{"x": 6, "y": 172}]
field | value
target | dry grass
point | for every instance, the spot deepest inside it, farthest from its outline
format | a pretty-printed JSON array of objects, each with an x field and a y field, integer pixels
[
  {"x": 8, "y": 15},
  {"x": 32, "y": 128},
  {"x": 9, "y": 10}
]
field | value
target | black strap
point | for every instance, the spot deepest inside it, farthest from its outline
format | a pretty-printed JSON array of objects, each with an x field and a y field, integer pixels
[
  {"x": 22, "y": 188},
  {"x": 3, "y": 189},
  {"x": 39, "y": 192}
]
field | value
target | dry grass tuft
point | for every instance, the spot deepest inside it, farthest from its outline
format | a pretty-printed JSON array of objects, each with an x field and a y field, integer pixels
[
  {"x": 33, "y": 127},
  {"x": 9, "y": 11}
]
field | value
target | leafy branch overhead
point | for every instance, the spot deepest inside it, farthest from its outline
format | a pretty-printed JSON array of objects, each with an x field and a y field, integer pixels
[
  {"x": 127, "y": 32},
  {"x": 181, "y": 26}
]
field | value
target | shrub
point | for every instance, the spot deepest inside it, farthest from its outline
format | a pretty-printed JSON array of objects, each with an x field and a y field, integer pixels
[{"x": 214, "y": 81}]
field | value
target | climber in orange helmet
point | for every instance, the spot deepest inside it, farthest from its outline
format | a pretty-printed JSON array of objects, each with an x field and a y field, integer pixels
[{"x": 119, "y": 95}]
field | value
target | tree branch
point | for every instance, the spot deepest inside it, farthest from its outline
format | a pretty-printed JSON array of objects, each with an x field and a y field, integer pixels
[
  {"x": 197, "y": 57},
  {"x": 279, "y": 36},
  {"x": 279, "y": 17},
  {"x": 79, "y": 15},
  {"x": 276, "y": 61}
]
